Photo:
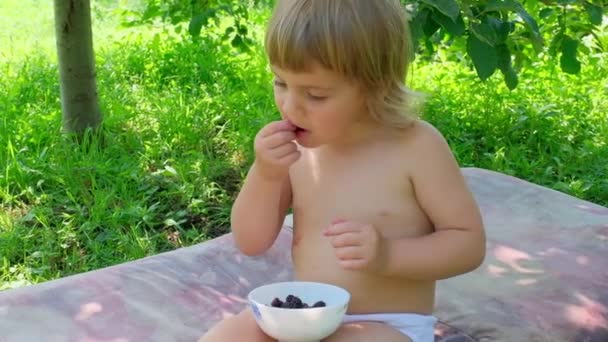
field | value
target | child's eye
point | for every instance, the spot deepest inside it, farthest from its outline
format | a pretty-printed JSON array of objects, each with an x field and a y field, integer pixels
[
  {"x": 279, "y": 84},
  {"x": 317, "y": 98}
]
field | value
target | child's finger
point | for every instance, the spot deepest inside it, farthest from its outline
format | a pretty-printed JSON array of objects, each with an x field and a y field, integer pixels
[
  {"x": 345, "y": 240},
  {"x": 353, "y": 264},
  {"x": 338, "y": 220},
  {"x": 290, "y": 158},
  {"x": 277, "y": 126},
  {"x": 348, "y": 253},
  {"x": 279, "y": 139},
  {"x": 282, "y": 151},
  {"x": 341, "y": 228}
]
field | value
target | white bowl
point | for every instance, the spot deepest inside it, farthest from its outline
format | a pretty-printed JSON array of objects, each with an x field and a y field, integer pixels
[{"x": 299, "y": 325}]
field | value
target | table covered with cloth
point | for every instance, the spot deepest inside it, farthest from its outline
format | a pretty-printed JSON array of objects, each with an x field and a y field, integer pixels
[{"x": 545, "y": 278}]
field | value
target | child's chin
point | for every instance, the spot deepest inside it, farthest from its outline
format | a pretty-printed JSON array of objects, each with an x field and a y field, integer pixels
[{"x": 306, "y": 141}]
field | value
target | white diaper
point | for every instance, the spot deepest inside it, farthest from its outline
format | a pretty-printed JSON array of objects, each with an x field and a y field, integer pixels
[{"x": 419, "y": 328}]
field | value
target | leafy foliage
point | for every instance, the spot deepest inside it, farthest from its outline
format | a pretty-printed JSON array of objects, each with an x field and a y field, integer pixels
[
  {"x": 506, "y": 35},
  {"x": 199, "y": 14},
  {"x": 495, "y": 35},
  {"x": 181, "y": 117}
]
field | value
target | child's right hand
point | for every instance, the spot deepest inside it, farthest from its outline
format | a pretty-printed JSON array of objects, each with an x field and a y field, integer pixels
[{"x": 275, "y": 150}]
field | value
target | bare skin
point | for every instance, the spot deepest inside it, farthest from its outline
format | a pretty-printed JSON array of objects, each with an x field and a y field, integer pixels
[
  {"x": 243, "y": 324},
  {"x": 372, "y": 209},
  {"x": 375, "y": 190}
]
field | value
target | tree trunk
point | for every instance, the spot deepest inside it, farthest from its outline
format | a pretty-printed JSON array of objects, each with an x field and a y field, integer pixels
[{"x": 79, "y": 103}]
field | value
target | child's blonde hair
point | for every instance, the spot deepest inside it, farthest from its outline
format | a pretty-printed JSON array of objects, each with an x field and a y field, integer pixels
[{"x": 367, "y": 41}]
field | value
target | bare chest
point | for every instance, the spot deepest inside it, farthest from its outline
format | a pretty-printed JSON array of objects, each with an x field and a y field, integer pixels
[{"x": 358, "y": 189}]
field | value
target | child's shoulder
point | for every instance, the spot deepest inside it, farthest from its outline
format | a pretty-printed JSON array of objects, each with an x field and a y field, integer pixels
[
  {"x": 422, "y": 137},
  {"x": 424, "y": 147},
  {"x": 428, "y": 154}
]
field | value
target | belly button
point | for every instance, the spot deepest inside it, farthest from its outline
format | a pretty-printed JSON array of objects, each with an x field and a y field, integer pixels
[{"x": 384, "y": 213}]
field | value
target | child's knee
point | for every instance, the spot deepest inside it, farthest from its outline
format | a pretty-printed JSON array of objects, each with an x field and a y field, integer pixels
[
  {"x": 235, "y": 328},
  {"x": 367, "y": 331}
]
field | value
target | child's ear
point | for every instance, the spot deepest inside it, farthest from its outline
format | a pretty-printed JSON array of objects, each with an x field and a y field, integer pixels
[{"x": 374, "y": 98}]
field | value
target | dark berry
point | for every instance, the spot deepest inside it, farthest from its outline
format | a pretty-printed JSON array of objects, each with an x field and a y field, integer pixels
[
  {"x": 297, "y": 302},
  {"x": 276, "y": 302},
  {"x": 319, "y": 304},
  {"x": 294, "y": 302}
]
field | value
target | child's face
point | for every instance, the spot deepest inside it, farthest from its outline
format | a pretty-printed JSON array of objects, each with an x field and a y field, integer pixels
[{"x": 324, "y": 105}]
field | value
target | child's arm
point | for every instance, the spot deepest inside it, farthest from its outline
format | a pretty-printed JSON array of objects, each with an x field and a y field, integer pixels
[
  {"x": 458, "y": 244},
  {"x": 259, "y": 211},
  {"x": 260, "y": 207}
]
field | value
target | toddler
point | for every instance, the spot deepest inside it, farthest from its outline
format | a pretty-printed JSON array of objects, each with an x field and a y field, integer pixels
[{"x": 380, "y": 206}]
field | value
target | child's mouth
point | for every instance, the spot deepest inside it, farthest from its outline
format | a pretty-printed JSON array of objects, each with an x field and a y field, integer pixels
[{"x": 299, "y": 131}]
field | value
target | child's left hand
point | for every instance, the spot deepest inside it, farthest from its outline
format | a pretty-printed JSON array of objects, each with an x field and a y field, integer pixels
[{"x": 357, "y": 246}]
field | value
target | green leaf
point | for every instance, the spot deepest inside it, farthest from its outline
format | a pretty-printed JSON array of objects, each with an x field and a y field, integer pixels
[
  {"x": 527, "y": 18},
  {"x": 505, "y": 66},
  {"x": 417, "y": 22},
  {"x": 568, "y": 61},
  {"x": 238, "y": 41},
  {"x": 502, "y": 28},
  {"x": 455, "y": 28},
  {"x": 504, "y": 56},
  {"x": 483, "y": 55},
  {"x": 517, "y": 7},
  {"x": 199, "y": 20},
  {"x": 594, "y": 12},
  {"x": 511, "y": 78},
  {"x": 418, "y": 19},
  {"x": 196, "y": 24},
  {"x": 430, "y": 26},
  {"x": 485, "y": 33},
  {"x": 429, "y": 46},
  {"x": 502, "y": 5},
  {"x": 546, "y": 12},
  {"x": 556, "y": 43},
  {"x": 447, "y": 7},
  {"x": 151, "y": 11}
]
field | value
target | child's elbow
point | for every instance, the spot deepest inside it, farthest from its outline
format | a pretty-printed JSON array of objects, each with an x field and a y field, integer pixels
[
  {"x": 479, "y": 258},
  {"x": 472, "y": 262},
  {"x": 479, "y": 255},
  {"x": 250, "y": 253},
  {"x": 249, "y": 248},
  {"x": 252, "y": 245},
  {"x": 252, "y": 240}
]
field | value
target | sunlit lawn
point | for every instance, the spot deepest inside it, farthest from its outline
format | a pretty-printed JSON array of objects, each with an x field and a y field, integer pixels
[{"x": 180, "y": 118}]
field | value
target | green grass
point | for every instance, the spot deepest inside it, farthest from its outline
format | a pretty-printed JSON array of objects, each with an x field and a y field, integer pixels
[
  {"x": 27, "y": 26},
  {"x": 179, "y": 121},
  {"x": 551, "y": 130},
  {"x": 20, "y": 37},
  {"x": 177, "y": 115}
]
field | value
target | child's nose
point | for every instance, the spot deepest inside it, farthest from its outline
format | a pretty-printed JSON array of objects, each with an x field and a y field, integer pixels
[{"x": 290, "y": 105}]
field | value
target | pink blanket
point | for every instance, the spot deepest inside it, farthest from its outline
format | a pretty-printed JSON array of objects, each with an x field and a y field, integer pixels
[{"x": 545, "y": 278}]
